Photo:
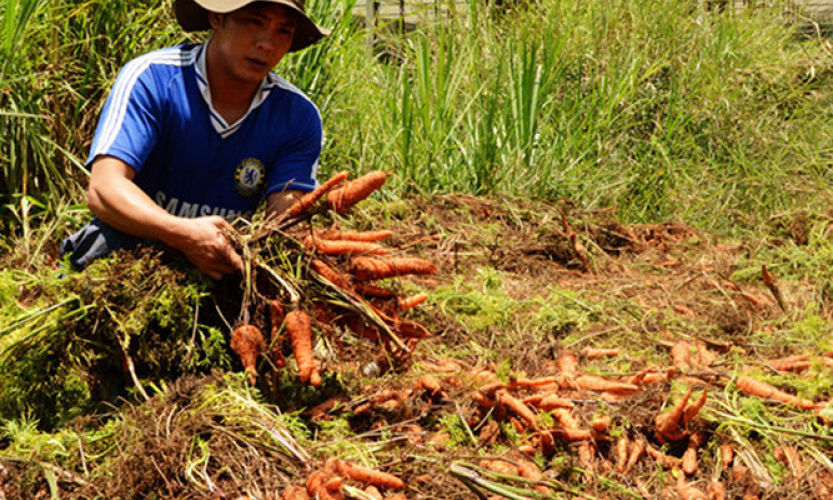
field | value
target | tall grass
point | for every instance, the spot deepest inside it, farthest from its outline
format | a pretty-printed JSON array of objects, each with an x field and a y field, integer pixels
[
  {"x": 653, "y": 106},
  {"x": 61, "y": 57},
  {"x": 658, "y": 108}
]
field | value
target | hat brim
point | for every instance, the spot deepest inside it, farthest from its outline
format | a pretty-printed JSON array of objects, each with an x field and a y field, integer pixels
[{"x": 193, "y": 16}]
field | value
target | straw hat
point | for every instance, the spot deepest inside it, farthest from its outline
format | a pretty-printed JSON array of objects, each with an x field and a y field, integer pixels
[{"x": 193, "y": 16}]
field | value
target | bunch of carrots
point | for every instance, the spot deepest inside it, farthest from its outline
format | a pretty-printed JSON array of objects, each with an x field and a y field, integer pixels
[
  {"x": 347, "y": 263},
  {"x": 327, "y": 483}
]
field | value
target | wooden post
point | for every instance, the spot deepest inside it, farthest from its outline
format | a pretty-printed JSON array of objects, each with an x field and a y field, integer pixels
[{"x": 370, "y": 23}]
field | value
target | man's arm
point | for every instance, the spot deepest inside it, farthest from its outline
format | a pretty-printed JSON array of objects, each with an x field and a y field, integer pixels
[{"x": 120, "y": 203}]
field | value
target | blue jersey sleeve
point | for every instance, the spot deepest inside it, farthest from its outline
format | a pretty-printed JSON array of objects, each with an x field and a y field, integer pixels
[
  {"x": 129, "y": 125},
  {"x": 296, "y": 166}
]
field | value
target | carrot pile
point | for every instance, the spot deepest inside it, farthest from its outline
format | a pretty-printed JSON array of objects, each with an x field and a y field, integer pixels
[
  {"x": 346, "y": 288},
  {"x": 328, "y": 262},
  {"x": 546, "y": 413},
  {"x": 329, "y": 482}
]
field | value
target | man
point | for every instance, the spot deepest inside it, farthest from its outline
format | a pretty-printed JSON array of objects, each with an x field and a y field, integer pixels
[{"x": 196, "y": 135}]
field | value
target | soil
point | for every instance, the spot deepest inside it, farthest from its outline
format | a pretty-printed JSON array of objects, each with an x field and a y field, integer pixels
[{"x": 642, "y": 289}]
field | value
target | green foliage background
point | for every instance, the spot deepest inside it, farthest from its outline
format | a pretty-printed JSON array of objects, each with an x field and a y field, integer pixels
[{"x": 665, "y": 110}]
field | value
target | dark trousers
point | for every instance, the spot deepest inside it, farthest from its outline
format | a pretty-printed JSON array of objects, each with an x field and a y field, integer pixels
[{"x": 95, "y": 240}]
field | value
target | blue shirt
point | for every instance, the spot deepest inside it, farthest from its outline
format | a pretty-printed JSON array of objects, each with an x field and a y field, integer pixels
[{"x": 159, "y": 120}]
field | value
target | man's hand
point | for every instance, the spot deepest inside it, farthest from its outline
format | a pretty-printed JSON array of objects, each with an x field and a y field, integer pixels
[{"x": 204, "y": 243}]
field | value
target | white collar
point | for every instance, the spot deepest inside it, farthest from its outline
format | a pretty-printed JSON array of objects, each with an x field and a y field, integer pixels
[{"x": 217, "y": 121}]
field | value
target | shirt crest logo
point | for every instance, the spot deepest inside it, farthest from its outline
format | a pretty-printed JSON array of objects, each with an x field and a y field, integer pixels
[{"x": 249, "y": 176}]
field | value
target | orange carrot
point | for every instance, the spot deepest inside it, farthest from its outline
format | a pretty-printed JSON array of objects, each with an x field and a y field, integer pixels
[
  {"x": 528, "y": 449},
  {"x": 637, "y": 450},
  {"x": 593, "y": 353},
  {"x": 547, "y": 443},
  {"x": 639, "y": 378},
  {"x": 662, "y": 459},
  {"x": 316, "y": 486},
  {"x": 300, "y": 333},
  {"x": 622, "y": 453},
  {"x": 651, "y": 375},
  {"x": 820, "y": 411},
  {"x": 334, "y": 483},
  {"x": 552, "y": 401},
  {"x": 442, "y": 366},
  {"x": 343, "y": 198},
  {"x": 528, "y": 470},
  {"x": 294, "y": 493},
  {"x": 370, "y": 476},
  {"x": 681, "y": 355},
  {"x": 500, "y": 466},
  {"x": 601, "y": 384},
  {"x": 412, "y": 330},
  {"x": 406, "y": 303},
  {"x": 491, "y": 388},
  {"x": 329, "y": 273},
  {"x": 370, "y": 269},
  {"x": 568, "y": 364},
  {"x": 572, "y": 435},
  {"x": 668, "y": 423},
  {"x": 248, "y": 343},
  {"x": 306, "y": 201},
  {"x": 753, "y": 387},
  {"x": 509, "y": 401},
  {"x": 658, "y": 378},
  {"x": 741, "y": 473},
  {"x": 357, "y": 325},
  {"x": 366, "y": 236},
  {"x": 369, "y": 290},
  {"x": 373, "y": 492},
  {"x": 483, "y": 375},
  {"x": 343, "y": 247},
  {"x": 533, "y": 382},
  {"x": 428, "y": 383},
  {"x": 727, "y": 454},
  {"x": 691, "y": 411},
  {"x": 586, "y": 453},
  {"x": 688, "y": 492},
  {"x": 601, "y": 424},
  {"x": 565, "y": 418},
  {"x": 690, "y": 454},
  {"x": 716, "y": 490},
  {"x": 797, "y": 363}
]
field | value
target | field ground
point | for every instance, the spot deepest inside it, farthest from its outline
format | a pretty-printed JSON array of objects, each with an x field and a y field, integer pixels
[{"x": 514, "y": 312}]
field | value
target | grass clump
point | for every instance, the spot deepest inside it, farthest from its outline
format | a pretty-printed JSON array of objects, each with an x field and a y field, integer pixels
[
  {"x": 479, "y": 305},
  {"x": 201, "y": 434},
  {"x": 74, "y": 346}
]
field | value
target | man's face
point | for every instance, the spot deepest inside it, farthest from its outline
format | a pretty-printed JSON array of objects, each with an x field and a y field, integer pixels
[{"x": 252, "y": 40}]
